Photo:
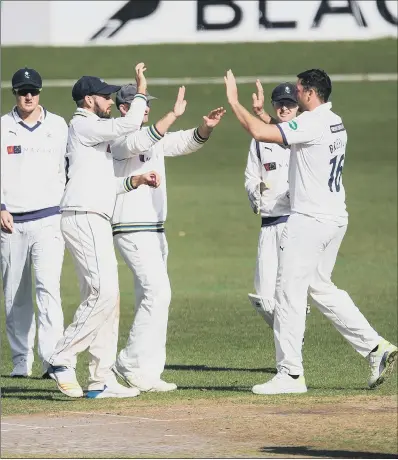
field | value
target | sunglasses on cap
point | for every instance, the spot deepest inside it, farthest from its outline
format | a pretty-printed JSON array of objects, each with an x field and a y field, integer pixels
[
  {"x": 26, "y": 91},
  {"x": 285, "y": 103}
]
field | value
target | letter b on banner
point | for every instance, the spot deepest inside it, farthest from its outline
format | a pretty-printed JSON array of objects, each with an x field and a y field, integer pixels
[{"x": 205, "y": 5}]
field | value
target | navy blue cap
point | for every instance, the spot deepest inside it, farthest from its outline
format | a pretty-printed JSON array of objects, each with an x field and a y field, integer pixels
[
  {"x": 284, "y": 92},
  {"x": 26, "y": 78},
  {"x": 88, "y": 86}
]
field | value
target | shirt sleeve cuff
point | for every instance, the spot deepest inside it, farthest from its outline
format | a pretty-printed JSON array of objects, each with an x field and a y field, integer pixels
[
  {"x": 3, "y": 207},
  {"x": 198, "y": 138},
  {"x": 154, "y": 134},
  {"x": 283, "y": 134}
]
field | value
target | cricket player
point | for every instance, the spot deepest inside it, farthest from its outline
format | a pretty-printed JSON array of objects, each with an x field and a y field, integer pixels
[
  {"x": 139, "y": 234},
  {"x": 33, "y": 147},
  {"x": 87, "y": 206},
  {"x": 313, "y": 234},
  {"x": 267, "y": 187}
]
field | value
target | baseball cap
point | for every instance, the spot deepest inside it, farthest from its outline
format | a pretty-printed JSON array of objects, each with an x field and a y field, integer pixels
[
  {"x": 127, "y": 92},
  {"x": 26, "y": 78},
  {"x": 284, "y": 91},
  {"x": 88, "y": 86}
]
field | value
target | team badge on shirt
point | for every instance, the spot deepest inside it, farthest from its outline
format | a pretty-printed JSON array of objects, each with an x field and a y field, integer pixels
[
  {"x": 270, "y": 166},
  {"x": 13, "y": 149}
]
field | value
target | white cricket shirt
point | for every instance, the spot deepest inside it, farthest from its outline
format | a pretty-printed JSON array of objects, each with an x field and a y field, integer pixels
[
  {"x": 318, "y": 142},
  {"x": 269, "y": 163},
  {"x": 92, "y": 185},
  {"x": 32, "y": 164}
]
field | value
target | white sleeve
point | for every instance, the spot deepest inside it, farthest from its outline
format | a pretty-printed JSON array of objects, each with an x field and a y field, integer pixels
[
  {"x": 301, "y": 130},
  {"x": 253, "y": 168},
  {"x": 135, "y": 143},
  {"x": 182, "y": 142},
  {"x": 123, "y": 185},
  {"x": 3, "y": 201},
  {"x": 96, "y": 130},
  {"x": 62, "y": 153}
]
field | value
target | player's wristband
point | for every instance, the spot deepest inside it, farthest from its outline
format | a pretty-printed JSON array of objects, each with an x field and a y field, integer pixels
[
  {"x": 128, "y": 184},
  {"x": 140, "y": 96},
  {"x": 198, "y": 138},
  {"x": 3, "y": 207}
]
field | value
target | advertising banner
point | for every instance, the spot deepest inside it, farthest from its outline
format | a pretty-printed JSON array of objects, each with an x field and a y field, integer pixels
[{"x": 82, "y": 23}]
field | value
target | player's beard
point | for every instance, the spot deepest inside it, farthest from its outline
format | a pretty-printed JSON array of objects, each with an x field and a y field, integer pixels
[{"x": 99, "y": 112}]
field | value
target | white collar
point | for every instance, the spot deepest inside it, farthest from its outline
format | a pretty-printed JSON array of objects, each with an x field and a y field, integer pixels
[
  {"x": 18, "y": 119},
  {"x": 324, "y": 106},
  {"x": 85, "y": 113}
]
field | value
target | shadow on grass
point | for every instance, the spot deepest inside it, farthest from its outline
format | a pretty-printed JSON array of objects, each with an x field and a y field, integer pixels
[
  {"x": 16, "y": 379},
  {"x": 308, "y": 452},
  {"x": 210, "y": 388},
  {"x": 31, "y": 393},
  {"x": 199, "y": 367}
]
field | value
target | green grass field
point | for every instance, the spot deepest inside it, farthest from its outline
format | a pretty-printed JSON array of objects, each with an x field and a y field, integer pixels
[{"x": 216, "y": 340}]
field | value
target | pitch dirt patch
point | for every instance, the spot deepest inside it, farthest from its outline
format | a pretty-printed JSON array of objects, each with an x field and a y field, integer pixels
[{"x": 358, "y": 427}]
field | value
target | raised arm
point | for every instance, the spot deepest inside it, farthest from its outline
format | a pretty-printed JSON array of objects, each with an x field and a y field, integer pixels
[
  {"x": 258, "y": 105},
  {"x": 191, "y": 140},
  {"x": 95, "y": 130},
  {"x": 257, "y": 129},
  {"x": 141, "y": 141}
]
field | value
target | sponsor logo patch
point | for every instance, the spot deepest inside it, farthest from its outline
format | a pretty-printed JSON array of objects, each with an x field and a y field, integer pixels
[
  {"x": 270, "y": 166},
  {"x": 293, "y": 125},
  {"x": 13, "y": 149},
  {"x": 337, "y": 128}
]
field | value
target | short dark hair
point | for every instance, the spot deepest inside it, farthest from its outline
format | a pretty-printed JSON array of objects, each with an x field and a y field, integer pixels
[{"x": 318, "y": 80}]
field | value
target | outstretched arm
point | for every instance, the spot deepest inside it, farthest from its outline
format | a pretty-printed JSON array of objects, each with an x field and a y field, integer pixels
[
  {"x": 258, "y": 130},
  {"x": 258, "y": 105},
  {"x": 141, "y": 141},
  {"x": 191, "y": 140}
]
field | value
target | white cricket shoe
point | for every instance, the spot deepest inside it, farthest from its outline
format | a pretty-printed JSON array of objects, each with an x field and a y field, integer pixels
[
  {"x": 382, "y": 363},
  {"x": 113, "y": 390},
  {"x": 65, "y": 378},
  {"x": 281, "y": 383},
  {"x": 23, "y": 368},
  {"x": 142, "y": 384}
]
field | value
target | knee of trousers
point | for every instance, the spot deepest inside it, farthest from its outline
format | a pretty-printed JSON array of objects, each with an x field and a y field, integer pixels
[
  {"x": 321, "y": 288},
  {"x": 158, "y": 294},
  {"x": 107, "y": 293}
]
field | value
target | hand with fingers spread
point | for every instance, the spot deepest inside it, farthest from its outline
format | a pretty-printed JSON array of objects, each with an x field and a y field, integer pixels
[
  {"x": 211, "y": 121},
  {"x": 214, "y": 117},
  {"x": 7, "y": 221},
  {"x": 232, "y": 89},
  {"x": 258, "y": 99},
  {"x": 140, "y": 78},
  {"x": 181, "y": 103}
]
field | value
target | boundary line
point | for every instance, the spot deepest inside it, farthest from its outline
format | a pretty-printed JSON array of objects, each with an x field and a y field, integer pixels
[{"x": 356, "y": 77}]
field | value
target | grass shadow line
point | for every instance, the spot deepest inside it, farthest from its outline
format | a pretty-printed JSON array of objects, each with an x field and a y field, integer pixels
[
  {"x": 203, "y": 367},
  {"x": 309, "y": 452}
]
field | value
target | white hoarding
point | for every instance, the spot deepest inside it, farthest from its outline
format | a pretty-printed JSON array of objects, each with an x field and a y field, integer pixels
[{"x": 82, "y": 23}]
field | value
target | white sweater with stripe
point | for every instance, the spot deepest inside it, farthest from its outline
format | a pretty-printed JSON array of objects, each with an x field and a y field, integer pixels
[{"x": 146, "y": 208}]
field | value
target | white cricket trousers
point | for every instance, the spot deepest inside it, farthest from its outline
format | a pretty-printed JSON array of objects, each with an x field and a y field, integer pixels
[
  {"x": 308, "y": 257},
  {"x": 145, "y": 253},
  {"x": 268, "y": 253},
  {"x": 88, "y": 236},
  {"x": 38, "y": 244}
]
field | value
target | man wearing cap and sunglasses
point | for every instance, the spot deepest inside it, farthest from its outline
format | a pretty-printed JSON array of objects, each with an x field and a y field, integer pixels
[
  {"x": 33, "y": 146},
  {"x": 267, "y": 186},
  {"x": 138, "y": 230},
  {"x": 87, "y": 206}
]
